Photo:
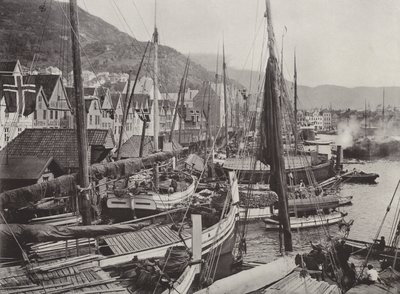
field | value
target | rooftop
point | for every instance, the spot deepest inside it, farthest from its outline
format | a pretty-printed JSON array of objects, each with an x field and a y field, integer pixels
[
  {"x": 61, "y": 144},
  {"x": 23, "y": 167}
]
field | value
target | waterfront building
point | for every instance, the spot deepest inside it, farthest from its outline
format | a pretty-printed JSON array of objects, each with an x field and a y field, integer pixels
[
  {"x": 326, "y": 120},
  {"x": 30, "y": 101},
  {"x": 143, "y": 106}
]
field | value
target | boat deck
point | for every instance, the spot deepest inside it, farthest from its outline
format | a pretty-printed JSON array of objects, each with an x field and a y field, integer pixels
[
  {"x": 77, "y": 275},
  {"x": 247, "y": 163},
  {"x": 144, "y": 239},
  {"x": 293, "y": 283}
]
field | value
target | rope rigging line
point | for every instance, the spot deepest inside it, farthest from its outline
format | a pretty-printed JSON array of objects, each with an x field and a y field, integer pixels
[{"x": 380, "y": 228}]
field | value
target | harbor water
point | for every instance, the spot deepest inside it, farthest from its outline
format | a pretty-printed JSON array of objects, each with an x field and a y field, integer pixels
[{"x": 368, "y": 209}]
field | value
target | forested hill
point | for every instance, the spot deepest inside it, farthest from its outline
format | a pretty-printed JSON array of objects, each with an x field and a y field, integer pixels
[{"x": 27, "y": 27}]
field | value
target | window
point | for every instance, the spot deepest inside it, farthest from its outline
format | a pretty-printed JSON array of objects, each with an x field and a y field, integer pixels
[
  {"x": 6, "y": 138},
  {"x": 51, "y": 114},
  {"x": 65, "y": 114},
  {"x": 7, "y": 115},
  {"x": 90, "y": 119},
  {"x": 40, "y": 98},
  {"x": 95, "y": 106},
  {"x": 45, "y": 179},
  {"x": 58, "y": 98},
  {"x": 19, "y": 130},
  {"x": 35, "y": 115},
  {"x": 56, "y": 114},
  {"x": 6, "y": 130},
  {"x": 44, "y": 114}
]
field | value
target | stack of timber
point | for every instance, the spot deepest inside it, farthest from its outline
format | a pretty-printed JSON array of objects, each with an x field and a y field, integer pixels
[
  {"x": 80, "y": 274},
  {"x": 62, "y": 249},
  {"x": 295, "y": 284}
]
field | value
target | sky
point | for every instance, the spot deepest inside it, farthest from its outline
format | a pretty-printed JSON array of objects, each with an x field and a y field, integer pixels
[{"x": 341, "y": 42}]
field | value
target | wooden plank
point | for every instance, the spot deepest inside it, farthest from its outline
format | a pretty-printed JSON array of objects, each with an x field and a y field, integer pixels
[
  {"x": 121, "y": 243},
  {"x": 150, "y": 237},
  {"x": 144, "y": 240},
  {"x": 125, "y": 243},
  {"x": 139, "y": 241},
  {"x": 134, "y": 242},
  {"x": 114, "y": 248},
  {"x": 162, "y": 236},
  {"x": 166, "y": 232}
]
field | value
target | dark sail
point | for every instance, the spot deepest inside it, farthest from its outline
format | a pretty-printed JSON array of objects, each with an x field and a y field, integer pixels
[{"x": 271, "y": 146}]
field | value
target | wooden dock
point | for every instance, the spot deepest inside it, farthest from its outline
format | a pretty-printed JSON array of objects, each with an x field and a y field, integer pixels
[{"x": 294, "y": 284}]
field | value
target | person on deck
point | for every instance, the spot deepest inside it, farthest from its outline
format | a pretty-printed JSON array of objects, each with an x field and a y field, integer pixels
[
  {"x": 381, "y": 244},
  {"x": 372, "y": 276},
  {"x": 343, "y": 254},
  {"x": 174, "y": 186}
]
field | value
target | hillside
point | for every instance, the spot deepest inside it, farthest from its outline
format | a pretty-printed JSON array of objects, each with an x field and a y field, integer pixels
[
  {"x": 23, "y": 24},
  {"x": 320, "y": 96}
]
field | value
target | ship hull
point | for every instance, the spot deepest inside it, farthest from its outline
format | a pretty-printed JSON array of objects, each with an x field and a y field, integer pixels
[
  {"x": 304, "y": 223},
  {"x": 321, "y": 173}
]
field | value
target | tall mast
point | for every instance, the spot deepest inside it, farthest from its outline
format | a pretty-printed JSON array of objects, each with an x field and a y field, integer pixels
[
  {"x": 182, "y": 107},
  {"x": 225, "y": 101},
  {"x": 295, "y": 104},
  {"x": 365, "y": 118},
  {"x": 208, "y": 127},
  {"x": 124, "y": 116},
  {"x": 155, "y": 102},
  {"x": 383, "y": 109},
  {"x": 271, "y": 132},
  {"x": 80, "y": 115},
  {"x": 177, "y": 102},
  {"x": 128, "y": 106}
]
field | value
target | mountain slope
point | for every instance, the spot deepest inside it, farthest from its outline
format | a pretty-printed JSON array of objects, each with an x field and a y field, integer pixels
[
  {"x": 26, "y": 30},
  {"x": 315, "y": 97}
]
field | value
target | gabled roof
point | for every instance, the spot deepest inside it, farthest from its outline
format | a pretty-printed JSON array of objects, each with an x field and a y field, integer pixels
[
  {"x": 8, "y": 67},
  {"x": 118, "y": 86},
  {"x": 48, "y": 82},
  {"x": 23, "y": 167},
  {"x": 115, "y": 97},
  {"x": 61, "y": 144},
  {"x": 130, "y": 149},
  {"x": 101, "y": 93},
  {"x": 88, "y": 97}
]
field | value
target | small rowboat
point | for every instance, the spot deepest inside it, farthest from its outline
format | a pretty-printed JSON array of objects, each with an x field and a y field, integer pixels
[
  {"x": 309, "y": 222},
  {"x": 360, "y": 177},
  {"x": 316, "y": 142}
]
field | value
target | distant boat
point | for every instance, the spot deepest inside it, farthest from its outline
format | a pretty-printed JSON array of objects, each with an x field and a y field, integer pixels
[
  {"x": 311, "y": 221},
  {"x": 317, "y": 142},
  {"x": 360, "y": 177}
]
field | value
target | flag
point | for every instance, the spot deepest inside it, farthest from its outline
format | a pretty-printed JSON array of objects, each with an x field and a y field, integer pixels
[{"x": 17, "y": 94}]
